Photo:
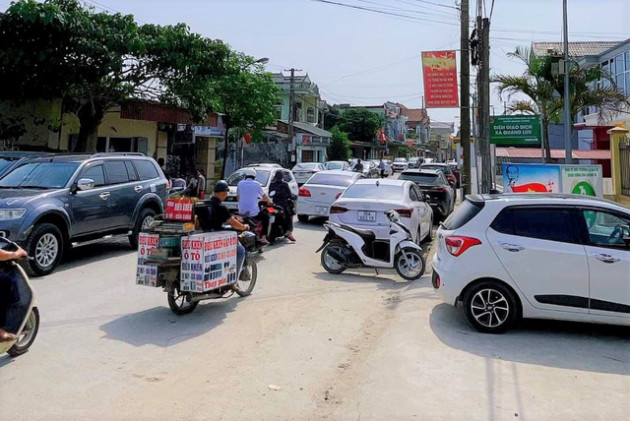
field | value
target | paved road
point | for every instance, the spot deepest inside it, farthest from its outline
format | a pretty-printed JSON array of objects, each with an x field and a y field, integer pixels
[{"x": 305, "y": 346}]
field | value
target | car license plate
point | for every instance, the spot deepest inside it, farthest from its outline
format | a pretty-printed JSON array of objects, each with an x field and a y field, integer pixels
[
  {"x": 366, "y": 216},
  {"x": 321, "y": 210}
]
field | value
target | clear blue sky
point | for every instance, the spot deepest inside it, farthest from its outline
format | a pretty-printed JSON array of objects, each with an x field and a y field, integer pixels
[{"x": 367, "y": 58}]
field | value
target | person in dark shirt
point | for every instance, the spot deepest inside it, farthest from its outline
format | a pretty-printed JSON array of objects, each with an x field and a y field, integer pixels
[
  {"x": 217, "y": 215},
  {"x": 283, "y": 197},
  {"x": 358, "y": 167}
]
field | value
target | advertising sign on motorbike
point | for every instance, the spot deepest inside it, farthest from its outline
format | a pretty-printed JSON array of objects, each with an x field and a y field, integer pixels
[
  {"x": 146, "y": 274},
  {"x": 179, "y": 210},
  {"x": 208, "y": 261}
]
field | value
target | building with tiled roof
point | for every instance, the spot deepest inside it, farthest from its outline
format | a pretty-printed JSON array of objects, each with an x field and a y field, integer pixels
[{"x": 576, "y": 48}]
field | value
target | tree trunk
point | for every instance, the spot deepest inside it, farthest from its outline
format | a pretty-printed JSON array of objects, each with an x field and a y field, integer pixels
[
  {"x": 88, "y": 132},
  {"x": 225, "y": 146}
]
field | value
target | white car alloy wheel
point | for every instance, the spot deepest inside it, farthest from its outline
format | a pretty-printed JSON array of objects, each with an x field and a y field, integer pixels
[
  {"x": 490, "y": 308},
  {"x": 46, "y": 250}
]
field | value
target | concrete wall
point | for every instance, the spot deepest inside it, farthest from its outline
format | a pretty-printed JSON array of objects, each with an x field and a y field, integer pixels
[{"x": 36, "y": 116}]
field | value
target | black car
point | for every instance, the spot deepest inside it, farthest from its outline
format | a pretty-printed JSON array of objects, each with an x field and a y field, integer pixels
[
  {"x": 445, "y": 168},
  {"x": 50, "y": 204},
  {"x": 436, "y": 188}
]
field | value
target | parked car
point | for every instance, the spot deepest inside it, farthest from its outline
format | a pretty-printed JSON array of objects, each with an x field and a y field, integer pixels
[
  {"x": 457, "y": 172},
  {"x": 445, "y": 168},
  {"x": 271, "y": 165},
  {"x": 400, "y": 164},
  {"x": 51, "y": 204},
  {"x": 264, "y": 175},
  {"x": 364, "y": 203},
  {"x": 12, "y": 159},
  {"x": 546, "y": 256},
  {"x": 319, "y": 193},
  {"x": 370, "y": 169},
  {"x": 436, "y": 189},
  {"x": 414, "y": 162},
  {"x": 337, "y": 165},
  {"x": 305, "y": 170}
]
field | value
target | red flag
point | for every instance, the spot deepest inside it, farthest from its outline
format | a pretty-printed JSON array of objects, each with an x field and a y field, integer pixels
[
  {"x": 248, "y": 138},
  {"x": 530, "y": 188}
]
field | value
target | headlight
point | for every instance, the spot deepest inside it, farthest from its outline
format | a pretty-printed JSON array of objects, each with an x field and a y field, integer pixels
[{"x": 11, "y": 213}]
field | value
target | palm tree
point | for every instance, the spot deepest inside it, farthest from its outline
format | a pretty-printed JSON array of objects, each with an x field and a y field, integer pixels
[{"x": 543, "y": 86}]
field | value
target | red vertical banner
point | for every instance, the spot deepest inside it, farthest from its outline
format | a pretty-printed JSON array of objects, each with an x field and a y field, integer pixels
[{"x": 439, "y": 70}]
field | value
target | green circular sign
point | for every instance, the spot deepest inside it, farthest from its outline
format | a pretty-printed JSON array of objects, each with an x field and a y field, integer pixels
[{"x": 584, "y": 188}]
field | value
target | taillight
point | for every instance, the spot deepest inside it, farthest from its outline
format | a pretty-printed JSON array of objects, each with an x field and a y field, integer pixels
[
  {"x": 304, "y": 192},
  {"x": 338, "y": 209},
  {"x": 338, "y": 195},
  {"x": 271, "y": 210},
  {"x": 440, "y": 189},
  {"x": 405, "y": 213},
  {"x": 456, "y": 245}
]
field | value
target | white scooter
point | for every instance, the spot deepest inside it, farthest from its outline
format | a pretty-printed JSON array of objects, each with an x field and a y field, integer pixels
[
  {"x": 348, "y": 247},
  {"x": 22, "y": 317}
]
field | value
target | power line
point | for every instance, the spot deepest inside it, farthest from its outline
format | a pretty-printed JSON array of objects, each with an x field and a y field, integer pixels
[
  {"x": 372, "y": 70},
  {"x": 399, "y": 15},
  {"x": 437, "y": 4}
]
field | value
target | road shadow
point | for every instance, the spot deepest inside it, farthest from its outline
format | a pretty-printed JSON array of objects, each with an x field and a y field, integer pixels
[
  {"x": 85, "y": 255},
  {"x": 575, "y": 346},
  {"x": 385, "y": 279},
  {"x": 160, "y": 327},
  {"x": 5, "y": 360},
  {"x": 314, "y": 224}
]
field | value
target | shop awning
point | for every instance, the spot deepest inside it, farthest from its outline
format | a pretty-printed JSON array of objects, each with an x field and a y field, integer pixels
[{"x": 511, "y": 152}]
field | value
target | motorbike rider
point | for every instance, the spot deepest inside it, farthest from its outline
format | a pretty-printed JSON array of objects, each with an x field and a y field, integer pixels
[
  {"x": 7, "y": 292},
  {"x": 249, "y": 192},
  {"x": 284, "y": 198},
  {"x": 358, "y": 167},
  {"x": 217, "y": 215}
]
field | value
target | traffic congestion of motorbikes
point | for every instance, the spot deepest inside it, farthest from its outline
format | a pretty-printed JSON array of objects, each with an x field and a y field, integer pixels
[{"x": 373, "y": 222}]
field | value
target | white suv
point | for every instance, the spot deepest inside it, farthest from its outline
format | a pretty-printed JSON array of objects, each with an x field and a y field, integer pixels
[{"x": 535, "y": 256}]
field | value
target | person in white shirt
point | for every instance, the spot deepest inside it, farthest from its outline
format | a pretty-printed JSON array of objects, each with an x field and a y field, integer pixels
[{"x": 249, "y": 192}]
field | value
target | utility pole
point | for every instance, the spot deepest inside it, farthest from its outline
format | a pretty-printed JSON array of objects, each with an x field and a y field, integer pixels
[
  {"x": 465, "y": 94},
  {"x": 483, "y": 88},
  {"x": 292, "y": 103},
  {"x": 568, "y": 148}
]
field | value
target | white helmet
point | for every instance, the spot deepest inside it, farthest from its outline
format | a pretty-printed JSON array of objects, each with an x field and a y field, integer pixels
[{"x": 249, "y": 172}]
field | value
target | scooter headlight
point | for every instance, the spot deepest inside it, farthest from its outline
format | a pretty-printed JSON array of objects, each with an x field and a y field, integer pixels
[{"x": 8, "y": 214}]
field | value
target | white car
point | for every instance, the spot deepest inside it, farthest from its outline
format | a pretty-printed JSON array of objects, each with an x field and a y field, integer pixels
[
  {"x": 264, "y": 175},
  {"x": 400, "y": 164},
  {"x": 320, "y": 192},
  {"x": 364, "y": 203},
  {"x": 305, "y": 170},
  {"x": 337, "y": 165},
  {"x": 563, "y": 257}
]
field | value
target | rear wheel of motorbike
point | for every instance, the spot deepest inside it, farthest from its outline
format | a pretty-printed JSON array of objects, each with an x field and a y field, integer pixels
[
  {"x": 409, "y": 264},
  {"x": 27, "y": 336},
  {"x": 245, "y": 288},
  {"x": 179, "y": 302},
  {"x": 330, "y": 263}
]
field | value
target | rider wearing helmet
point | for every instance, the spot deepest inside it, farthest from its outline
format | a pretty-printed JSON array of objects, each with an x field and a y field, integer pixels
[{"x": 249, "y": 192}]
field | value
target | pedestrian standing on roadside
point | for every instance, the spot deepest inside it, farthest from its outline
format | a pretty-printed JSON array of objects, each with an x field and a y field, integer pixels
[
  {"x": 201, "y": 184},
  {"x": 381, "y": 166}
]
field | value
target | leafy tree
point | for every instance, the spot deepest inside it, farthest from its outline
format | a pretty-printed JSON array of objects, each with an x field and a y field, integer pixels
[
  {"x": 331, "y": 117},
  {"x": 360, "y": 124},
  {"x": 544, "y": 88},
  {"x": 339, "y": 149},
  {"x": 59, "y": 49},
  {"x": 246, "y": 95}
]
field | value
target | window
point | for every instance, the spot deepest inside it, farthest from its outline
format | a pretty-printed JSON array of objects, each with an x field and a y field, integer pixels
[
  {"x": 146, "y": 170},
  {"x": 44, "y": 175},
  {"x": 627, "y": 60},
  {"x": 551, "y": 224},
  {"x": 370, "y": 191},
  {"x": 116, "y": 172},
  {"x": 607, "y": 229},
  {"x": 619, "y": 64},
  {"x": 504, "y": 222},
  {"x": 463, "y": 214},
  {"x": 286, "y": 176},
  {"x": 95, "y": 173},
  {"x": 131, "y": 171},
  {"x": 278, "y": 112},
  {"x": 619, "y": 81},
  {"x": 340, "y": 180},
  {"x": 427, "y": 179},
  {"x": 310, "y": 115}
]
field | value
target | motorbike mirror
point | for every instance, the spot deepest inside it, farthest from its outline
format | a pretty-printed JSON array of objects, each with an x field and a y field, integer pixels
[{"x": 393, "y": 216}]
